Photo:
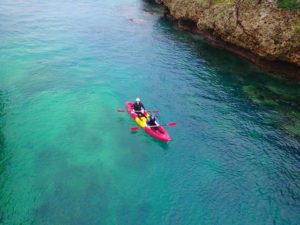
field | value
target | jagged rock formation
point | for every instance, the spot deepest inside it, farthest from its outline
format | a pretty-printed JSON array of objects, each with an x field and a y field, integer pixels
[{"x": 247, "y": 27}]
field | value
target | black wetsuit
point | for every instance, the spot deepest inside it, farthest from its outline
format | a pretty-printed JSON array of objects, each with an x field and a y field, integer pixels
[{"x": 138, "y": 109}]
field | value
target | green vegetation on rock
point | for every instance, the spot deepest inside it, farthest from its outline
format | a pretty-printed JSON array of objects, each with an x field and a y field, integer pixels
[{"x": 289, "y": 4}]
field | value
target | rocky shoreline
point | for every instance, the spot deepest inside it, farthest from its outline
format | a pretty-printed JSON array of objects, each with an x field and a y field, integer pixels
[{"x": 257, "y": 30}]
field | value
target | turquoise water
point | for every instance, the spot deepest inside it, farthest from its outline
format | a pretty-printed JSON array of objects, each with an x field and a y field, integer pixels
[{"x": 67, "y": 156}]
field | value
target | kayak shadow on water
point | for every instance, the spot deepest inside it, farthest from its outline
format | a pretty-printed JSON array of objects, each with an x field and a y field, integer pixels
[
  {"x": 149, "y": 139},
  {"x": 163, "y": 145}
]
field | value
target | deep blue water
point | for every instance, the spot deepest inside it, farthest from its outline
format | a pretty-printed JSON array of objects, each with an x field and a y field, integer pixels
[{"x": 68, "y": 157}]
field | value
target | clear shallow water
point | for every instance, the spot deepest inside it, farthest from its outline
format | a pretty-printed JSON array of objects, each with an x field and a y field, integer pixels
[{"x": 67, "y": 156}]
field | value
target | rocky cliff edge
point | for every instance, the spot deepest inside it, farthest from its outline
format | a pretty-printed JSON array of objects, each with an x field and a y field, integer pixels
[{"x": 257, "y": 26}]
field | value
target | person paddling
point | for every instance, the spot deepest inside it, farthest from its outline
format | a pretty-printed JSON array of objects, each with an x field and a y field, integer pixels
[
  {"x": 152, "y": 122},
  {"x": 138, "y": 108}
]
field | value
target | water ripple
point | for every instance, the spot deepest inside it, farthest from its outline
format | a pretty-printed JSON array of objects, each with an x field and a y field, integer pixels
[{"x": 67, "y": 156}]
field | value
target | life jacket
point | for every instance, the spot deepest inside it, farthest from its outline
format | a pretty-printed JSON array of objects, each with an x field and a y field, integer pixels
[{"x": 151, "y": 122}]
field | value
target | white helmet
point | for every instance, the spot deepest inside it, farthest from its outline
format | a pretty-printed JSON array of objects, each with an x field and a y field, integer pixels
[{"x": 138, "y": 99}]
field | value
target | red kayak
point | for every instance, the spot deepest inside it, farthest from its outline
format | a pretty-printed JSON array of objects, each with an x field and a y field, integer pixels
[{"x": 160, "y": 133}]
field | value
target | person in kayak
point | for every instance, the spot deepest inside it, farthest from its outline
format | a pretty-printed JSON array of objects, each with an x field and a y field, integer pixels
[
  {"x": 139, "y": 108},
  {"x": 152, "y": 122}
]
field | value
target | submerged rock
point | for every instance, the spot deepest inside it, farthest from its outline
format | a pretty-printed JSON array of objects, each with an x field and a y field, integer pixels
[
  {"x": 156, "y": 1},
  {"x": 287, "y": 119},
  {"x": 255, "y": 29},
  {"x": 288, "y": 122},
  {"x": 137, "y": 21},
  {"x": 261, "y": 95}
]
